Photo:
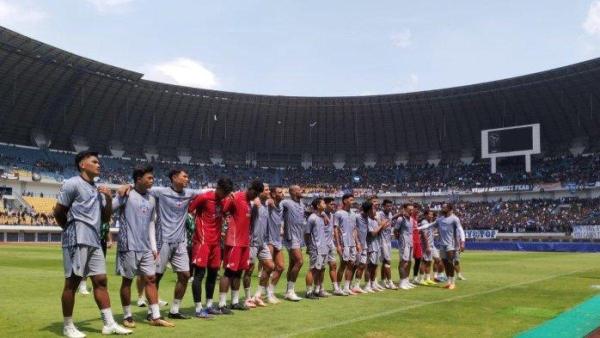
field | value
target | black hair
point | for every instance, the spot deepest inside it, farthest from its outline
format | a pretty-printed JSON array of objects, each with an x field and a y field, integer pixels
[
  {"x": 386, "y": 201},
  {"x": 257, "y": 186},
  {"x": 225, "y": 184},
  {"x": 328, "y": 200},
  {"x": 82, "y": 156},
  {"x": 449, "y": 206},
  {"x": 406, "y": 205},
  {"x": 366, "y": 206},
  {"x": 346, "y": 196},
  {"x": 141, "y": 170},
  {"x": 175, "y": 172},
  {"x": 315, "y": 203}
]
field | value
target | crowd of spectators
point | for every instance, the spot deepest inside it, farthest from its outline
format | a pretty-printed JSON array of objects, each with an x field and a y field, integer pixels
[
  {"x": 25, "y": 217},
  {"x": 424, "y": 177}
]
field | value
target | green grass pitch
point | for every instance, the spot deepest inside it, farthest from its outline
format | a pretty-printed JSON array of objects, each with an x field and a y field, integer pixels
[{"x": 506, "y": 293}]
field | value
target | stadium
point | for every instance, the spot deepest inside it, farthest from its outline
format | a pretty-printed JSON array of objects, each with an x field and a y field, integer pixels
[{"x": 517, "y": 160}]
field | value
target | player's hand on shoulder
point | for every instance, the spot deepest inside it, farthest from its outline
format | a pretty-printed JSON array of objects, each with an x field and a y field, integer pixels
[
  {"x": 124, "y": 190},
  {"x": 105, "y": 191},
  {"x": 155, "y": 254}
]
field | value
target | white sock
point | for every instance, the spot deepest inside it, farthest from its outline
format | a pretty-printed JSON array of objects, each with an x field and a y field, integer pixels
[
  {"x": 318, "y": 289},
  {"x": 347, "y": 285},
  {"x": 270, "y": 290},
  {"x": 175, "y": 305},
  {"x": 209, "y": 303},
  {"x": 309, "y": 289},
  {"x": 198, "y": 306},
  {"x": 247, "y": 292},
  {"x": 107, "y": 316},
  {"x": 263, "y": 290},
  {"x": 222, "y": 299},
  {"x": 336, "y": 286},
  {"x": 127, "y": 311},
  {"x": 451, "y": 280},
  {"x": 258, "y": 292},
  {"x": 155, "y": 309},
  {"x": 235, "y": 296},
  {"x": 291, "y": 286},
  {"x": 68, "y": 321}
]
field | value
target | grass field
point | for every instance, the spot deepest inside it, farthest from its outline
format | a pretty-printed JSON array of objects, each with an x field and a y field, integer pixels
[{"x": 506, "y": 293}]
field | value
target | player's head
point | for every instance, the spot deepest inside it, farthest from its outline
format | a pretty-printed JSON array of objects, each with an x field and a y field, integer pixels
[
  {"x": 408, "y": 208},
  {"x": 447, "y": 208},
  {"x": 255, "y": 188},
  {"x": 266, "y": 192},
  {"x": 143, "y": 177},
  {"x": 375, "y": 200},
  {"x": 329, "y": 204},
  {"x": 179, "y": 178},
  {"x": 87, "y": 162},
  {"x": 368, "y": 209},
  {"x": 318, "y": 205},
  {"x": 277, "y": 194},
  {"x": 224, "y": 187},
  {"x": 387, "y": 205},
  {"x": 347, "y": 200},
  {"x": 295, "y": 191},
  {"x": 429, "y": 215}
]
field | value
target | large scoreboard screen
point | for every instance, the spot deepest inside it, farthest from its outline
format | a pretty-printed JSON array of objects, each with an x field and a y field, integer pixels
[{"x": 510, "y": 141}]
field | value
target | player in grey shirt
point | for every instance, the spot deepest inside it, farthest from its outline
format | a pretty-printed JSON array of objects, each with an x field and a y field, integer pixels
[
  {"x": 275, "y": 224},
  {"x": 374, "y": 228},
  {"x": 80, "y": 210},
  {"x": 332, "y": 240},
  {"x": 317, "y": 247},
  {"x": 259, "y": 250},
  {"x": 344, "y": 221},
  {"x": 386, "y": 244},
  {"x": 449, "y": 227},
  {"x": 137, "y": 252},
  {"x": 362, "y": 228},
  {"x": 293, "y": 232},
  {"x": 404, "y": 230}
]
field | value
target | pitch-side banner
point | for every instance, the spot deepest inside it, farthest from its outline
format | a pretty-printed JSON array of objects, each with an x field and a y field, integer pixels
[
  {"x": 481, "y": 234},
  {"x": 520, "y": 187},
  {"x": 586, "y": 232}
]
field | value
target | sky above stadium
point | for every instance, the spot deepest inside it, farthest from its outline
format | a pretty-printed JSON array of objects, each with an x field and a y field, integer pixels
[{"x": 317, "y": 48}]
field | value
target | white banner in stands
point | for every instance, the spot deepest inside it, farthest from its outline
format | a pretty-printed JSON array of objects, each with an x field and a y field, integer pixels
[
  {"x": 481, "y": 234},
  {"x": 586, "y": 232},
  {"x": 521, "y": 187}
]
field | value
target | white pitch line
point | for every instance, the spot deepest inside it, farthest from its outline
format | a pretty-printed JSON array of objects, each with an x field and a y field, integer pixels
[{"x": 425, "y": 303}]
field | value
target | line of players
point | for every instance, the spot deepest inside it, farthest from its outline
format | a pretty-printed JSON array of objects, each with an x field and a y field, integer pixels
[{"x": 260, "y": 223}]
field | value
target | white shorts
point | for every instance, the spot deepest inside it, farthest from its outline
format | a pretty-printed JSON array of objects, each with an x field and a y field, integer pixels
[
  {"x": 83, "y": 261},
  {"x": 444, "y": 249},
  {"x": 406, "y": 252},
  {"x": 176, "y": 254},
  {"x": 332, "y": 253},
  {"x": 373, "y": 257},
  {"x": 361, "y": 258},
  {"x": 134, "y": 263},
  {"x": 386, "y": 253},
  {"x": 317, "y": 261},
  {"x": 349, "y": 254},
  {"x": 262, "y": 254}
]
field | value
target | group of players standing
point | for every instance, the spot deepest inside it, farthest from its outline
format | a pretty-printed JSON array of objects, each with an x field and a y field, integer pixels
[{"x": 239, "y": 231}]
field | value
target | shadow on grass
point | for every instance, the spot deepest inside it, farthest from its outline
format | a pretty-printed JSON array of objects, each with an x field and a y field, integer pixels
[{"x": 83, "y": 326}]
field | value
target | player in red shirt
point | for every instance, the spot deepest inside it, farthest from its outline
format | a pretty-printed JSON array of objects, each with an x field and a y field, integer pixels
[
  {"x": 237, "y": 244},
  {"x": 206, "y": 250},
  {"x": 417, "y": 249}
]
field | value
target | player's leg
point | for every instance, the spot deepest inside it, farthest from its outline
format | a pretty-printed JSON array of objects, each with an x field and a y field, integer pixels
[
  {"x": 448, "y": 258},
  {"x": 214, "y": 262},
  {"x": 199, "y": 273},
  {"x": 181, "y": 265},
  {"x": 360, "y": 265},
  {"x": 247, "y": 277},
  {"x": 239, "y": 263},
  {"x": 267, "y": 266},
  {"x": 276, "y": 274},
  {"x": 296, "y": 261}
]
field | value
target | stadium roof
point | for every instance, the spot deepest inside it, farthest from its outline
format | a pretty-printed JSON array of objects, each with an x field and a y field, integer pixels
[{"x": 67, "y": 97}]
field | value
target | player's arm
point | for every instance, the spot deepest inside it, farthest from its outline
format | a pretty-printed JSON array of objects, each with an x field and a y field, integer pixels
[
  {"x": 196, "y": 204},
  {"x": 152, "y": 234},
  {"x": 63, "y": 204},
  {"x": 107, "y": 207},
  {"x": 461, "y": 234},
  {"x": 427, "y": 226},
  {"x": 356, "y": 240},
  {"x": 307, "y": 230}
]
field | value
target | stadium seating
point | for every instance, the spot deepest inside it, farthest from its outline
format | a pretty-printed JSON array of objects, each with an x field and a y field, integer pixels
[{"x": 41, "y": 204}]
